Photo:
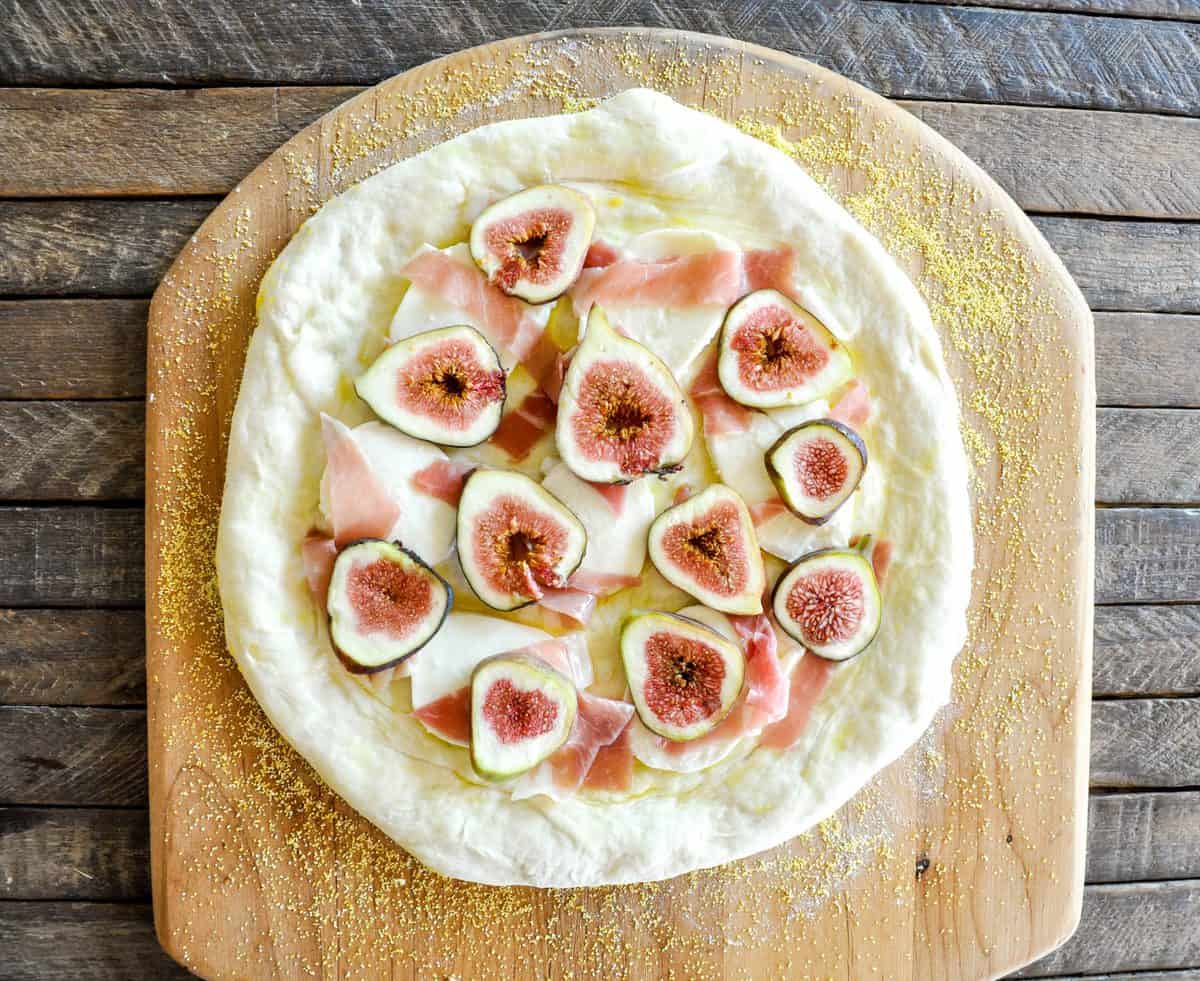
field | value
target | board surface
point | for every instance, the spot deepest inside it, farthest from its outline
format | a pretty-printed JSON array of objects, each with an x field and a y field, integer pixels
[{"x": 962, "y": 860}]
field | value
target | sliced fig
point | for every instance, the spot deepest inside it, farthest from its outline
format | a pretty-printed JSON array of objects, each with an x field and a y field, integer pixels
[
  {"x": 829, "y": 601},
  {"x": 515, "y": 538},
  {"x": 533, "y": 243},
  {"x": 445, "y": 386},
  {"x": 684, "y": 676},
  {"x": 384, "y": 605},
  {"x": 816, "y": 467},
  {"x": 707, "y": 547},
  {"x": 621, "y": 414},
  {"x": 522, "y": 710},
  {"x": 775, "y": 353}
]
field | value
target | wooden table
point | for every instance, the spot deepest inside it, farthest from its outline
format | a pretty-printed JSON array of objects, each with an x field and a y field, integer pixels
[{"x": 120, "y": 129}]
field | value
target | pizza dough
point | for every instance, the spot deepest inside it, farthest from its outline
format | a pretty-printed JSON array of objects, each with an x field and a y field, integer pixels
[{"x": 326, "y": 307}]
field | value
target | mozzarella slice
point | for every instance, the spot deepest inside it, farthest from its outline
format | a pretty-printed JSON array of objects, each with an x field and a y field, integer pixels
[
  {"x": 426, "y": 524},
  {"x": 616, "y": 542}
]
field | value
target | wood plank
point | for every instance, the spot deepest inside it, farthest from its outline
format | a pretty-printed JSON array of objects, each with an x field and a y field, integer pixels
[
  {"x": 72, "y": 657},
  {"x": 1136, "y": 837},
  {"x": 1146, "y": 650},
  {"x": 91, "y": 756},
  {"x": 1148, "y": 456},
  {"x": 1070, "y": 161},
  {"x": 1147, "y": 555},
  {"x": 1162, "y": 9},
  {"x": 1130, "y": 265},
  {"x": 1130, "y": 927},
  {"x": 148, "y": 142},
  {"x": 73, "y": 349},
  {"x": 76, "y": 556},
  {"x": 74, "y": 853},
  {"x": 203, "y": 141},
  {"x": 87, "y": 451},
  {"x": 112, "y": 248},
  {"x": 82, "y": 941},
  {"x": 1146, "y": 742},
  {"x": 897, "y": 49},
  {"x": 1147, "y": 359}
]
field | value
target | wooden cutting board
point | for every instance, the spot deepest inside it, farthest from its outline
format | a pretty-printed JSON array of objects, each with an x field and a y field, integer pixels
[{"x": 962, "y": 860}]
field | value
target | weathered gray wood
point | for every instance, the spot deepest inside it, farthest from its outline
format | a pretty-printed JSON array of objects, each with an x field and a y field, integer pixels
[
  {"x": 1130, "y": 927},
  {"x": 113, "y": 248},
  {"x": 1147, "y": 359},
  {"x": 1138, "y": 837},
  {"x": 72, "y": 657},
  {"x": 148, "y": 142},
  {"x": 74, "y": 853},
  {"x": 1147, "y": 555},
  {"x": 1147, "y": 650},
  {"x": 1130, "y": 265},
  {"x": 1163, "y": 9},
  {"x": 1148, "y": 456},
  {"x": 1183, "y": 974},
  {"x": 76, "y": 556},
  {"x": 72, "y": 348},
  {"x": 93, "y": 756},
  {"x": 1065, "y": 160},
  {"x": 203, "y": 141},
  {"x": 56, "y": 451},
  {"x": 82, "y": 941},
  {"x": 1146, "y": 742},
  {"x": 898, "y": 49}
]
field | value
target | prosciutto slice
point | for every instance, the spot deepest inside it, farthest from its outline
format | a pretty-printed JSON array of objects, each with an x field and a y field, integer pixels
[
  {"x": 449, "y": 717},
  {"x": 601, "y": 583},
  {"x": 854, "y": 406},
  {"x": 613, "y": 494},
  {"x": 600, "y": 254},
  {"x": 443, "y": 479},
  {"x": 722, "y": 415},
  {"x": 809, "y": 678},
  {"x": 319, "y": 552},
  {"x": 764, "y": 511},
  {"x": 574, "y": 604},
  {"x": 359, "y": 505},
  {"x": 612, "y": 769},
  {"x": 769, "y": 269},
  {"x": 520, "y": 429}
]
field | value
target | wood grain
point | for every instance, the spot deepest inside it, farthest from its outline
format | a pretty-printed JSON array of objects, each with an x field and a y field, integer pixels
[
  {"x": 1146, "y": 650},
  {"x": 1164, "y": 9},
  {"x": 72, "y": 349},
  {"x": 74, "y": 853},
  {"x": 1147, "y": 555},
  {"x": 93, "y": 756},
  {"x": 82, "y": 941},
  {"x": 900, "y": 50},
  {"x": 1143, "y": 836},
  {"x": 1148, "y": 456},
  {"x": 76, "y": 556},
  {"x": 72, "y": 657},
  {"x": 1147, "y": 359},
  {"x": 106, "y": 248},
  {"x": 1146, "y": 742},
  {"x": 84, "y": 451}
]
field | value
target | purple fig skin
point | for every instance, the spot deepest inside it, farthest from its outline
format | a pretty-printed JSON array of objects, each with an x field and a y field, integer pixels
[{"x": 778, "y": 479}]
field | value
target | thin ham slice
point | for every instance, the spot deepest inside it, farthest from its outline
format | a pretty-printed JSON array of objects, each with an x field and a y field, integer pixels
[
  {"x": 600, "y": 254},
  {"x": 553, "y": 382},
  {"x": 770, "y": 269},
  {"x": 722, "y": 415},
  {"x": 808, "y": 681},
  {"x": 706, "y": 278},
  {"x": 443, "y": 479},
  {"x": 764, "y": 511},
  {"x": 567, "y": 654},
  {"x": 613, "y": 494},
  {"x": 601, "y": 583},
  {"x": 682, "y": 493},
  {"x": 881, "y": 559},
  {"x": 854, "y": 406},
  {"x": 359, "y": 506},
  {"x": 449, "y": 717},
  {"x": 318, "y": 552},
  {"x": 520, "y": 429},
  {"x": 612, "y": 769},
  {"x": 574, "y": 604}
]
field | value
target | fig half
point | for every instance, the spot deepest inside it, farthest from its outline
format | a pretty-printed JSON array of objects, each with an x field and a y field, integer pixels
[
  {"x": 445, "y": 386},
  {"x": 816, "y": 466},
  {"x": 384, "y": 605},
  {"x": 522, "y": 710},
  {"x": 683, "y": 675},
  {"x": 707, "y": 547},
  {"x": 829, "y": 601},
  {"x": 621, "y": 414},
  {"x": 533, "y": 243},
  {"x": 774, "y": 353},
  {"x": 515, "y": 538}
]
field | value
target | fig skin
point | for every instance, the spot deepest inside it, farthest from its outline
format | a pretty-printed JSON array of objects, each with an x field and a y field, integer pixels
[
  {"x": 521, "y": 486},
  {"x": 541, "y": 204},
  {"x": 838, "y": 367},
  {"x": 357, "y": 667},
  {"x": 580, "y": 408},
  {"x": 780, "y": 480},
  {"x": 849, "y": 559},
  {"x": 633, "y": 654}
]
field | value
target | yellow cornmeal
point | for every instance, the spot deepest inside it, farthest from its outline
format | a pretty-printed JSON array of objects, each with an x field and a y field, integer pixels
[{"x": 271, "y": 829}]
